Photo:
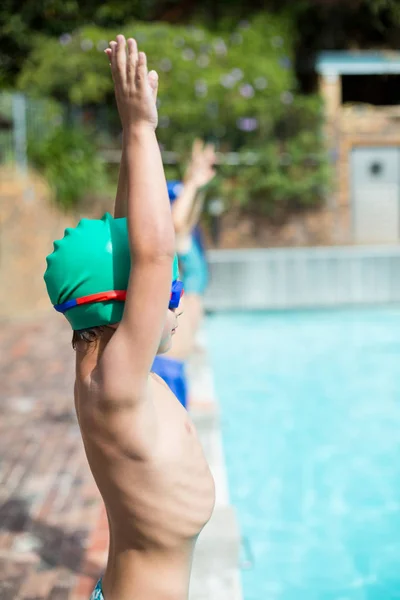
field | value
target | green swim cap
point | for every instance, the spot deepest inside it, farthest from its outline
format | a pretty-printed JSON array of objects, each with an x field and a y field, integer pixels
[{"x": 91, "y": 258}]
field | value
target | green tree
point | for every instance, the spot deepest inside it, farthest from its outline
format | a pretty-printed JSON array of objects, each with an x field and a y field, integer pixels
[
  {"x": 237, "y": 88},
  {"x": 322, "y": 23},
  {"x": 20, "y": 20},
  {"x": 68, "y": 158}
]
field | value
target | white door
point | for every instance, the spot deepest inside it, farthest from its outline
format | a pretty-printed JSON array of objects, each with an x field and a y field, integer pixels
[{"x": 375, "y": 177}]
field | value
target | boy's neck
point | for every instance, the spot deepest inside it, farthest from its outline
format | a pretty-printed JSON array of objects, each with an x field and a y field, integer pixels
[{"x": 88, "y": 354}]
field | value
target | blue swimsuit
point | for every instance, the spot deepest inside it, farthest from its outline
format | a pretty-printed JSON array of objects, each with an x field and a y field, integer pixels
[
  {"x": 97, "y": 592},
  {"x": 173, "y": 372}
]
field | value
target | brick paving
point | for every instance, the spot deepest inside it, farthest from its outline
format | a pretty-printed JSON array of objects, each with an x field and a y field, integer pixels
[{"x": 53, "y": 531}]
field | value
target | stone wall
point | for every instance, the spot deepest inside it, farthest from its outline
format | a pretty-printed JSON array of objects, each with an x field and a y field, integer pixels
[
  {"x": 312, "y": 228},
  {"x": 28, "y": 225}
]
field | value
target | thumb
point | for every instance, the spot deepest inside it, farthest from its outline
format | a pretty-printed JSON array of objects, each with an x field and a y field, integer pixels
[{"x": 153, "y": 81}]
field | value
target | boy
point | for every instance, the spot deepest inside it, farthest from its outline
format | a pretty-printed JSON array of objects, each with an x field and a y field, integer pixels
[
  {"x": 187, "y": 203},
  {"x": 112, "y": 279}
]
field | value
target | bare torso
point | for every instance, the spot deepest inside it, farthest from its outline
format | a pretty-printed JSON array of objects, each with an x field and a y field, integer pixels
[{"x": 157, "y": 487}]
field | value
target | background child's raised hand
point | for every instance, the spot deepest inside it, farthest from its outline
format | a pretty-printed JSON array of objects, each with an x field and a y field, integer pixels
[
  {"x": 135, "y": 88},
  {"x": 201, "y": 169}
]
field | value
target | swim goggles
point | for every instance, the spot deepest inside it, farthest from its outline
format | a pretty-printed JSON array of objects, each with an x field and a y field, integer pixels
[{"x": 119, "y": 295}]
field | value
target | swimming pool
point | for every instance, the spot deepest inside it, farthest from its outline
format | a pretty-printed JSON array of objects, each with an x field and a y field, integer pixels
[{"x": 311, "y": 428}]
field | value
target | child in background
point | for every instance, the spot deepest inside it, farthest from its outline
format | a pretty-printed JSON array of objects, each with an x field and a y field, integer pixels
[{"x": 187, "y": 203}]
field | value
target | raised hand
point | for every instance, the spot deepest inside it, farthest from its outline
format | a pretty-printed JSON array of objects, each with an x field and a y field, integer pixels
[
  {"x": 201, "y": 167},
  {"x": 135, "y": 88}
]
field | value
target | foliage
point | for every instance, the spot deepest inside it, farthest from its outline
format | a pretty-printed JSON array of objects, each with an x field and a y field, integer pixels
[
  {"x": 340, "y": 24},
  {"x": 286, "y": 172},
  {"x": 69, "y": 160},
  {"x": 212, "y": 86},
  {"x": 322, "y": 23},
  {"x": 390, "y": 7},
  {"x": 75, "y": 68},
  {"x": 20, "y": 20}
]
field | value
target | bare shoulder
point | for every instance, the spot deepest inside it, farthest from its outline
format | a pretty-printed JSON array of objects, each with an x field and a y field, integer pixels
[{"x": 116, "y": 423}]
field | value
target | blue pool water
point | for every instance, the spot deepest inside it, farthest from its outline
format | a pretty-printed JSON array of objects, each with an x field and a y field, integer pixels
[{"x": 311, "y": 428}]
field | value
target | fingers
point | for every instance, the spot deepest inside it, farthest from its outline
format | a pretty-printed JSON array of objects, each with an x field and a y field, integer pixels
[
  {"x": 197, "y": 148},
  {"x": 108, "y": 51},
  {"x": 209, "y": 153},
  {"x": 132, "y": 60},
  {"x": 153, "y": 81},
  {"x": 141, "y": 71},
  {"x": 135, "y": 88},
  {"x": 120, "y": 60},
  {"x": 112, "y": 56}
]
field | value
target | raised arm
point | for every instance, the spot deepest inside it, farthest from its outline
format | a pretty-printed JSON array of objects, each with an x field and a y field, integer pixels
[
  {"x": 121, "y": 199},
  {"x": 187, "y": 208},
  {"x": 128, "y": 357},
  {"x": 196, "y": 211}
]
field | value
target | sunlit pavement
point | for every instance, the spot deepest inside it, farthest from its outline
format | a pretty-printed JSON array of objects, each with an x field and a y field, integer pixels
[{"x": 53, "y": 535}]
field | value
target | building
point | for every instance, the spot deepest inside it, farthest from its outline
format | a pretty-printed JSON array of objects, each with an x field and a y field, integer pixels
[{"x": 361, "y": 91}]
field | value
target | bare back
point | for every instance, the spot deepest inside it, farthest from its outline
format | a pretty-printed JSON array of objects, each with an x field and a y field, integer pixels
[{"x": 151, "y": 471}]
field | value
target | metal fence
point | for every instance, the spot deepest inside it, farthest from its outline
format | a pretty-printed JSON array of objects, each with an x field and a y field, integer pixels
[
  {"x": 7, "y": 128},
  {"x": 25, "y": 120},
  {"x": 303, "y": 277}
]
